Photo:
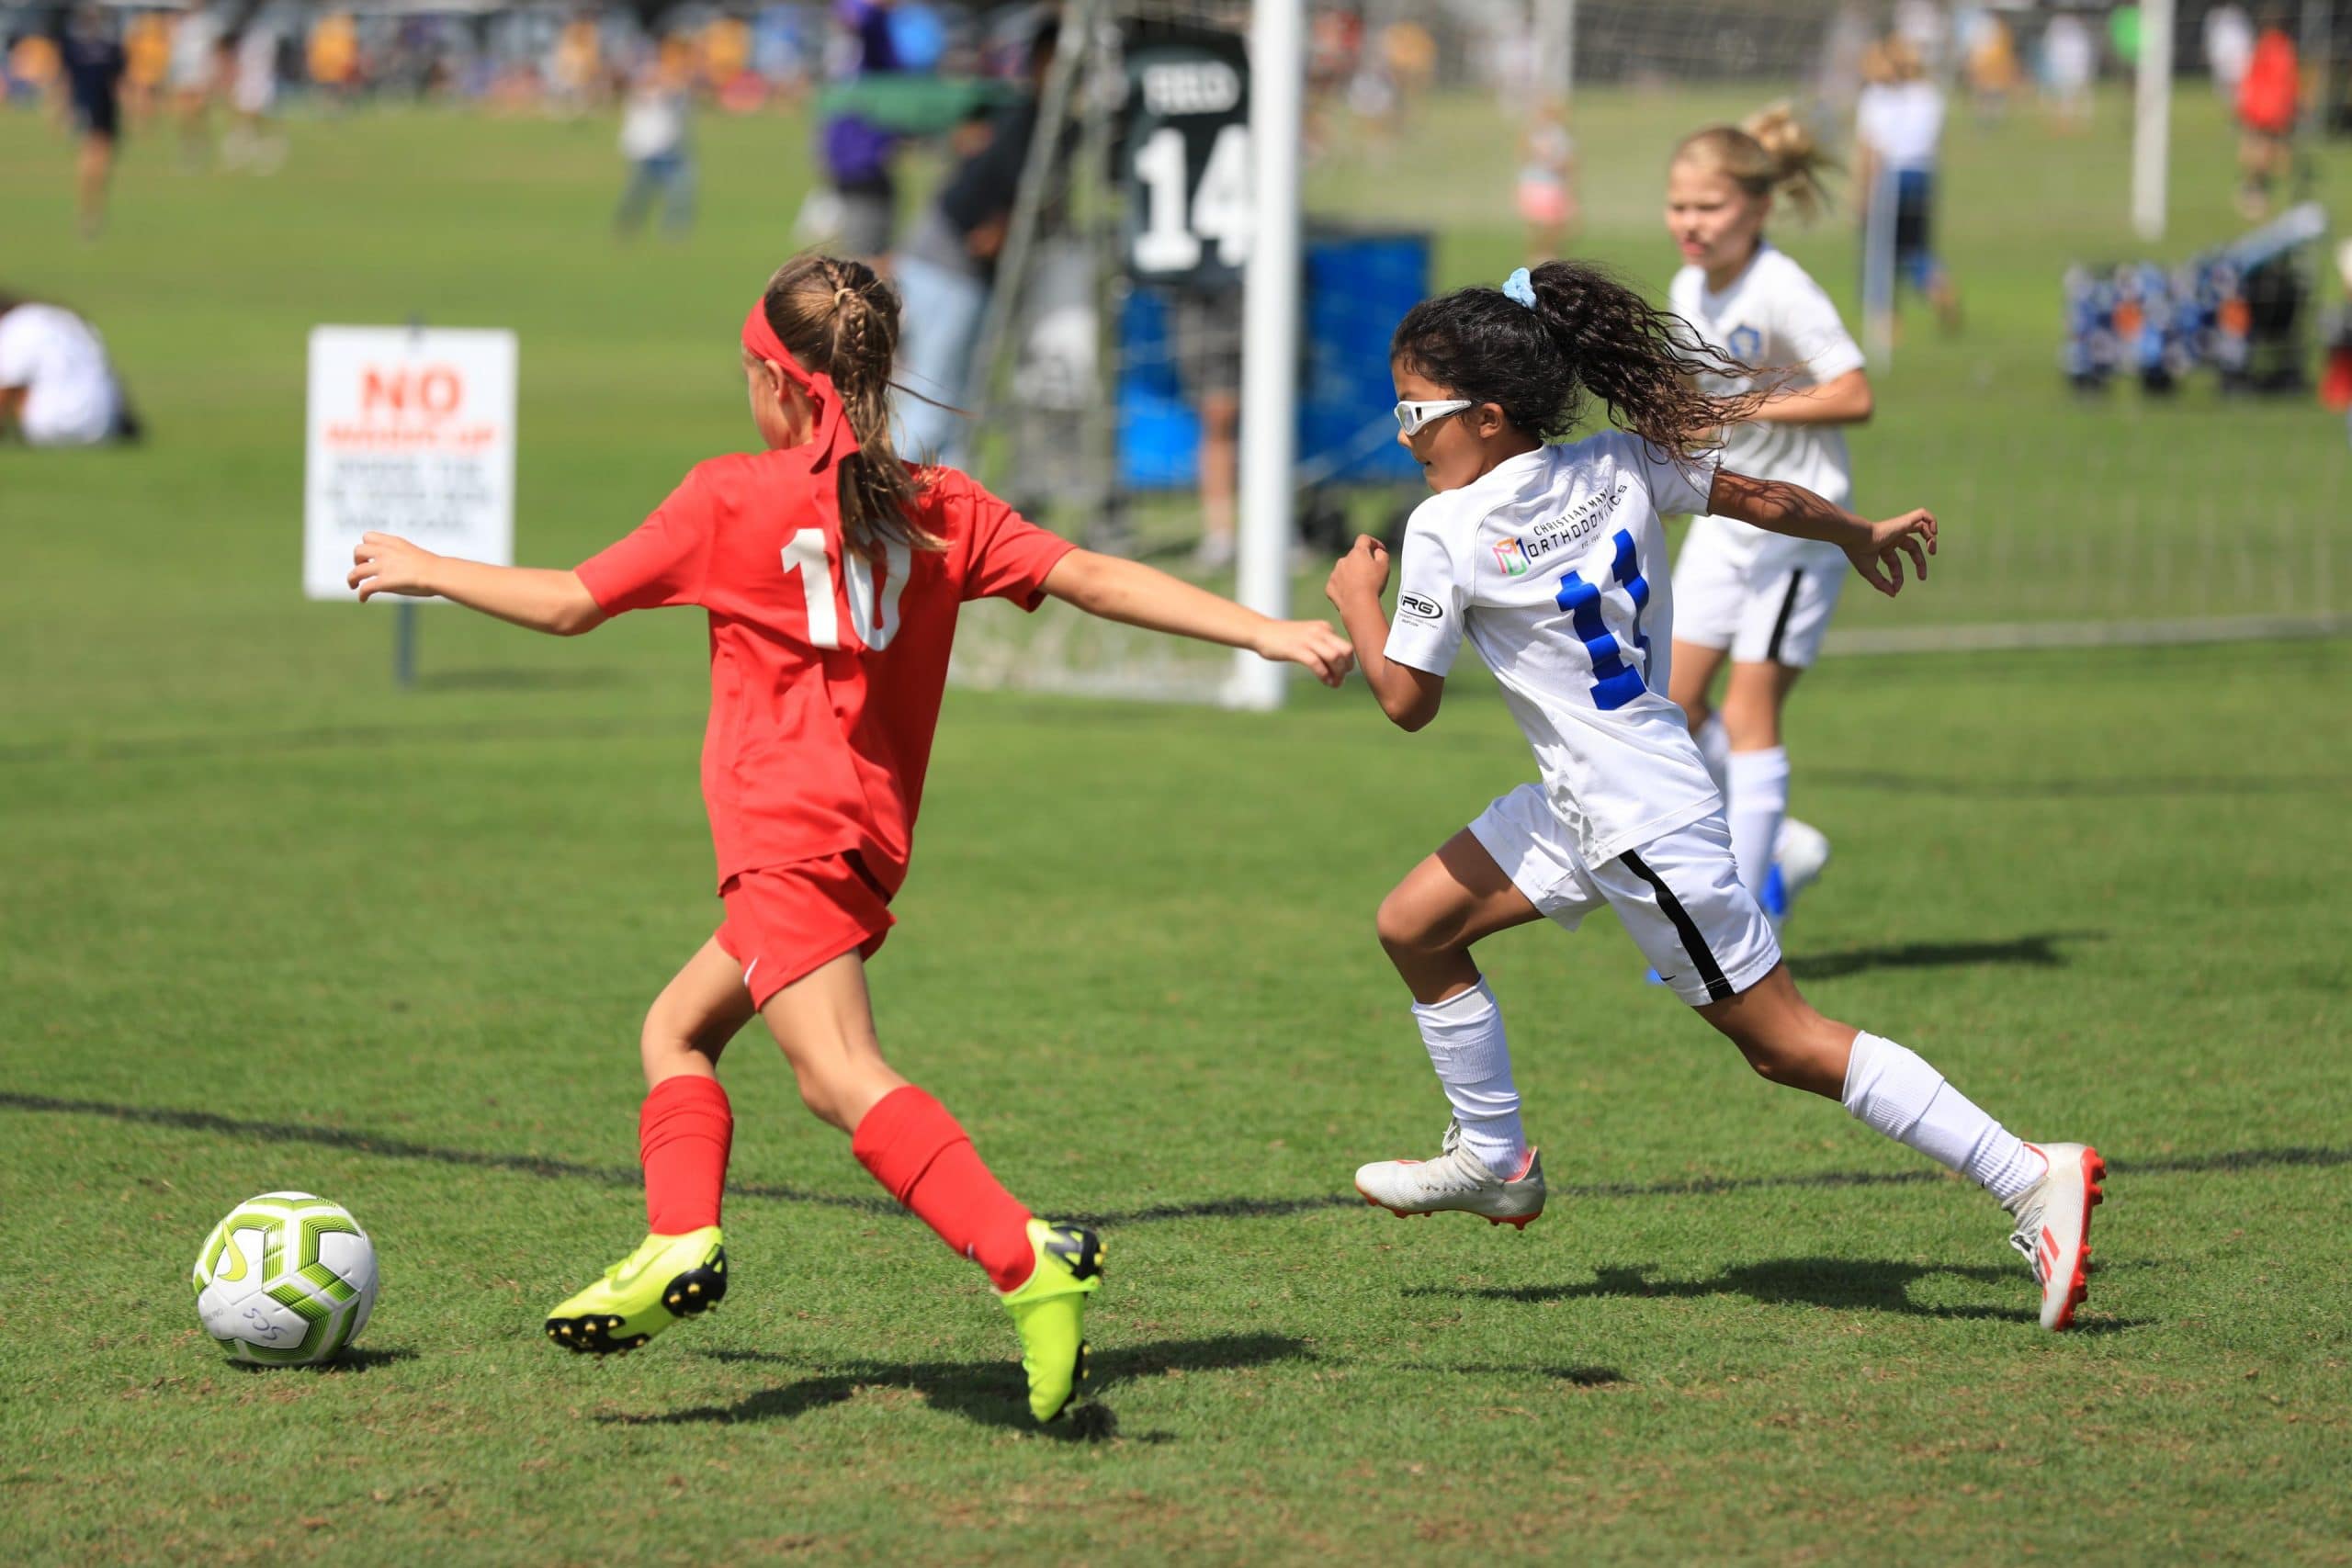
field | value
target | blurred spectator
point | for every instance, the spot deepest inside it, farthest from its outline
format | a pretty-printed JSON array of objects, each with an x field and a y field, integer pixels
[
  {"x": 656, "y": 139},
  {"x": 1923, "y": 25},
  {"x": 1547, "y": 190},
  {"x": 1990, "y": 61},
  {"x": 575, "y": 71},
  {"x": 195, "y": 73},
  {"x": 2229, "y": 48},
  {"x": 948, "y": 265},
  {"x": 2268, "y": 97},
  {"x": 251, "y": 143},
  {"x": 334, "y": 58},
  {"x": 857, "y": 156},
  {"x": 1898, "y": 126},
  {"x": 56, "y": 387},
  {"x": 147, "y": 50},
  {"x": 94, "y": 64},
  {"x": 32, "y": 65},
  {"x": 2069, "y": 62}
]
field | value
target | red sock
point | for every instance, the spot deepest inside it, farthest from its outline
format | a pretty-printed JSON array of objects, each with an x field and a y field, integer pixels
[
  {"x": 916, "y": 1151},
  {"x": 683, "y": 1135}
]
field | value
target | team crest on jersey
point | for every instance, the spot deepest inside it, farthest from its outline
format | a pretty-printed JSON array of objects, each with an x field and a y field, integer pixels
[
  {"x": 1512, "y": 555},
  {"x": 1746, "y": 343}
]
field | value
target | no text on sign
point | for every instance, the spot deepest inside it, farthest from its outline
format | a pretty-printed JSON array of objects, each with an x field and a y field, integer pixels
[{"x": 412, "y": 432}]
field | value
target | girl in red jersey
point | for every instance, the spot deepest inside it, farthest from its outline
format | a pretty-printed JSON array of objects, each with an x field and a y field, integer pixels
[{"x": 832, "y": 572}]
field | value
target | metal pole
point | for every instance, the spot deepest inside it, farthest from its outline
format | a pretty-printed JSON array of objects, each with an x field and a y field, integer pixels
[
  {"x": 2152, "y": 124},
  {"x": 1269, "y": 316},
  {"x": 1044, "y": 148},
  {"x": 405, "y": 644},
  {"x": 1878, "y": 268},
  {"x": 1556, "y": 50},
  {"x": 404, "y": 610}
]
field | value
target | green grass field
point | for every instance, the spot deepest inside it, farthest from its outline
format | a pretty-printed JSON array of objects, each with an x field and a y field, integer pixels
[{"x": 270, "y": 923}]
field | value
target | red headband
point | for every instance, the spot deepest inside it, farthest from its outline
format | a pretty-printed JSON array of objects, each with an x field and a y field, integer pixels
[{"x": 834, "y": 439}]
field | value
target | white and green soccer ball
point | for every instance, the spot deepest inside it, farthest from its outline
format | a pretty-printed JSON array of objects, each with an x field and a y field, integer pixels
[{"x": 286, "y": 1280}]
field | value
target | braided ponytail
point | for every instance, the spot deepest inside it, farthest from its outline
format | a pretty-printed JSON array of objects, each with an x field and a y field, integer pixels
[
  {"x": 839, "y": 317},
  {"x": 1586, "y": 333}
]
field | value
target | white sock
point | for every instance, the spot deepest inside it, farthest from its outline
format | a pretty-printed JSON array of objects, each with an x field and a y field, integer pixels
[
  {"x": 1759, "y": 798},
  {"x": 1464, "y": 1037},
  {"x": 1715, "y": 749},
  {"x": 1899, "y": 1094}
]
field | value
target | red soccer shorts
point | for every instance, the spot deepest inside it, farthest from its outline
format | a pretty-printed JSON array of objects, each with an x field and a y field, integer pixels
[{"x": 785, "y": 921}]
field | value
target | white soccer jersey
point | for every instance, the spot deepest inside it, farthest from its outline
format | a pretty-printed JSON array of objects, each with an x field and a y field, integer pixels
[
  {"x": 1774, "y": 317},
  {"x": 1554, "y": 566}
]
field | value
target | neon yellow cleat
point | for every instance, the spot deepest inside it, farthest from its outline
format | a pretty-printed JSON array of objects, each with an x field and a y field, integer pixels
[
  {"x": 667, "y": 1278},
  {"x": 1049, "y": 1314}
]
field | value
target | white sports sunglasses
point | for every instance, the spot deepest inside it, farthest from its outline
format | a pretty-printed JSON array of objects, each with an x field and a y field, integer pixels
[{"x": 1414, "y": 418}]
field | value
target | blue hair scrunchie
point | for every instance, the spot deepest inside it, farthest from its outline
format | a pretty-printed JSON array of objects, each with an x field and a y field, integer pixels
[{"x": 1520, "y": 288}]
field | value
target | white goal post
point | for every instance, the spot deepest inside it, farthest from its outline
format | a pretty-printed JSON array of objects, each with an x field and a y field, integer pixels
[{"x": 1269, "y": 316}]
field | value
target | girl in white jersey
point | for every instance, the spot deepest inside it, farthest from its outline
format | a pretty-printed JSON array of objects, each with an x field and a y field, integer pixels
[
  {"x": 1761, "y": 600},
  {"x": 1549, "y": 559}
]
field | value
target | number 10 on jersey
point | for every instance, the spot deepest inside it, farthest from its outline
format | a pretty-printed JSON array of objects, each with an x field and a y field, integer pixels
[{"x": 874, "y": 616}]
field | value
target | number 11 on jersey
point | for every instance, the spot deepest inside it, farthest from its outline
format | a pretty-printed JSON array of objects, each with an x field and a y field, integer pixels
[
  {"x": 874, "y": 616},
  {"x": 1614, "y": 681}
]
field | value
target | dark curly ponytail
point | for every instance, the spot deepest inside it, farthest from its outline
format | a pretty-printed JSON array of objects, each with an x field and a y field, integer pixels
[{"x": 1587, "y": 333}]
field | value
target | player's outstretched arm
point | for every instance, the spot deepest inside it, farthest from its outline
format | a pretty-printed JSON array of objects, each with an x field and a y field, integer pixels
[
  {"x": 1841, "y": 400},
  {"x": 1876, "y": 548},
  {"x": 553, "y": 601},
  {"x": 1143, "y": 596},
  {"x": 1409, "y": 697}
]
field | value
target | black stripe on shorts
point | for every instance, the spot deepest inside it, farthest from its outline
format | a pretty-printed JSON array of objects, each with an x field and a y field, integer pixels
[
  {"x": 1718, "y": 989},
  {"x": 1780, "y": 621}
]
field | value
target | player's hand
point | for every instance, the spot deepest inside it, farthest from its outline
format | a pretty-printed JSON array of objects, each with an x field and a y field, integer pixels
[
  {"x": 1361, "y": 573},
  {"x": 1310, "y": 643},
  {"x": 1880, "y": 557},
  {"x": 385, "y": 563}
]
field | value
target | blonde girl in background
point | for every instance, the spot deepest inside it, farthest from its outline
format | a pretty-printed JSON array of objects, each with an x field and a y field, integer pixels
[{"x": 1760, "y": 602}]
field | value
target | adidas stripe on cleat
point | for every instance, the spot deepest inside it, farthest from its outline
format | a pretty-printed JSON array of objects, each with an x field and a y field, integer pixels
[
  {"x": 668, "y": 1278},
  {"x": 2053, "y": 1229}
]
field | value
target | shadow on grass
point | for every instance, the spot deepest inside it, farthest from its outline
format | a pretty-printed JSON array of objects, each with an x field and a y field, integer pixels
[
  {"x": 629, "y": 1178},
  {"x": 991, "y": 1393},
  {"x": 1842, "y": 1283},
  {"x": 2036, "y": 951},
  {"x": 351, "y": 1363}
]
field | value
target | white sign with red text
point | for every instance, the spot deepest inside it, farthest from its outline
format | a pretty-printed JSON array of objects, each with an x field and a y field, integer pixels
[{"x": 412, "y": 432}]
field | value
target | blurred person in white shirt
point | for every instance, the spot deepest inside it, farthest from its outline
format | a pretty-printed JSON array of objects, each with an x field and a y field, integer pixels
[
  {"x": 655, "y": 140},
  {"x": 57, "y": 388},
  {"x": 1898, "y": 125}
]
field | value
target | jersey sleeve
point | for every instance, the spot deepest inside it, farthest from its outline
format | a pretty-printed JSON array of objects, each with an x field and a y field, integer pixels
[
  {"x": 1678, "y": 483},
  {"x": 1817, "y": 338},
  {"x": 665, "y": 560},
  {"x": 1009, "y": 556},
  {"x": 1431, "y": 599}
]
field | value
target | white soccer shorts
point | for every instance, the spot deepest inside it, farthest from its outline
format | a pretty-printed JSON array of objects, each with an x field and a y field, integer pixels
[
  {"x": 1767, "y": 600},
  {"x": 1680, "y": 895}
]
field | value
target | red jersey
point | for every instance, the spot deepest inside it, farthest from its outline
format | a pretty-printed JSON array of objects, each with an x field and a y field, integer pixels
[{"x": 826, "y": 670}]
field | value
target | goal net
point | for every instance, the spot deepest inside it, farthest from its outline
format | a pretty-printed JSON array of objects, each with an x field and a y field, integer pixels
[{"x": 2125, "y": 513}]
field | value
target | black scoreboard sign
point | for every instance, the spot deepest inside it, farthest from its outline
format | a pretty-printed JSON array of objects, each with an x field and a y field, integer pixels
[{"x": 1185, "y": 162}]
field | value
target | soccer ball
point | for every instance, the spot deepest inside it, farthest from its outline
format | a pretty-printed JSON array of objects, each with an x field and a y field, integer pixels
[{"x": 286, "y": 1280}]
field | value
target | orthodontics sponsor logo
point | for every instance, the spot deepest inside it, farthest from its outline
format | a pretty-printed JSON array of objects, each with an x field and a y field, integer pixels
[{"x": 1518, "y": 556}]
